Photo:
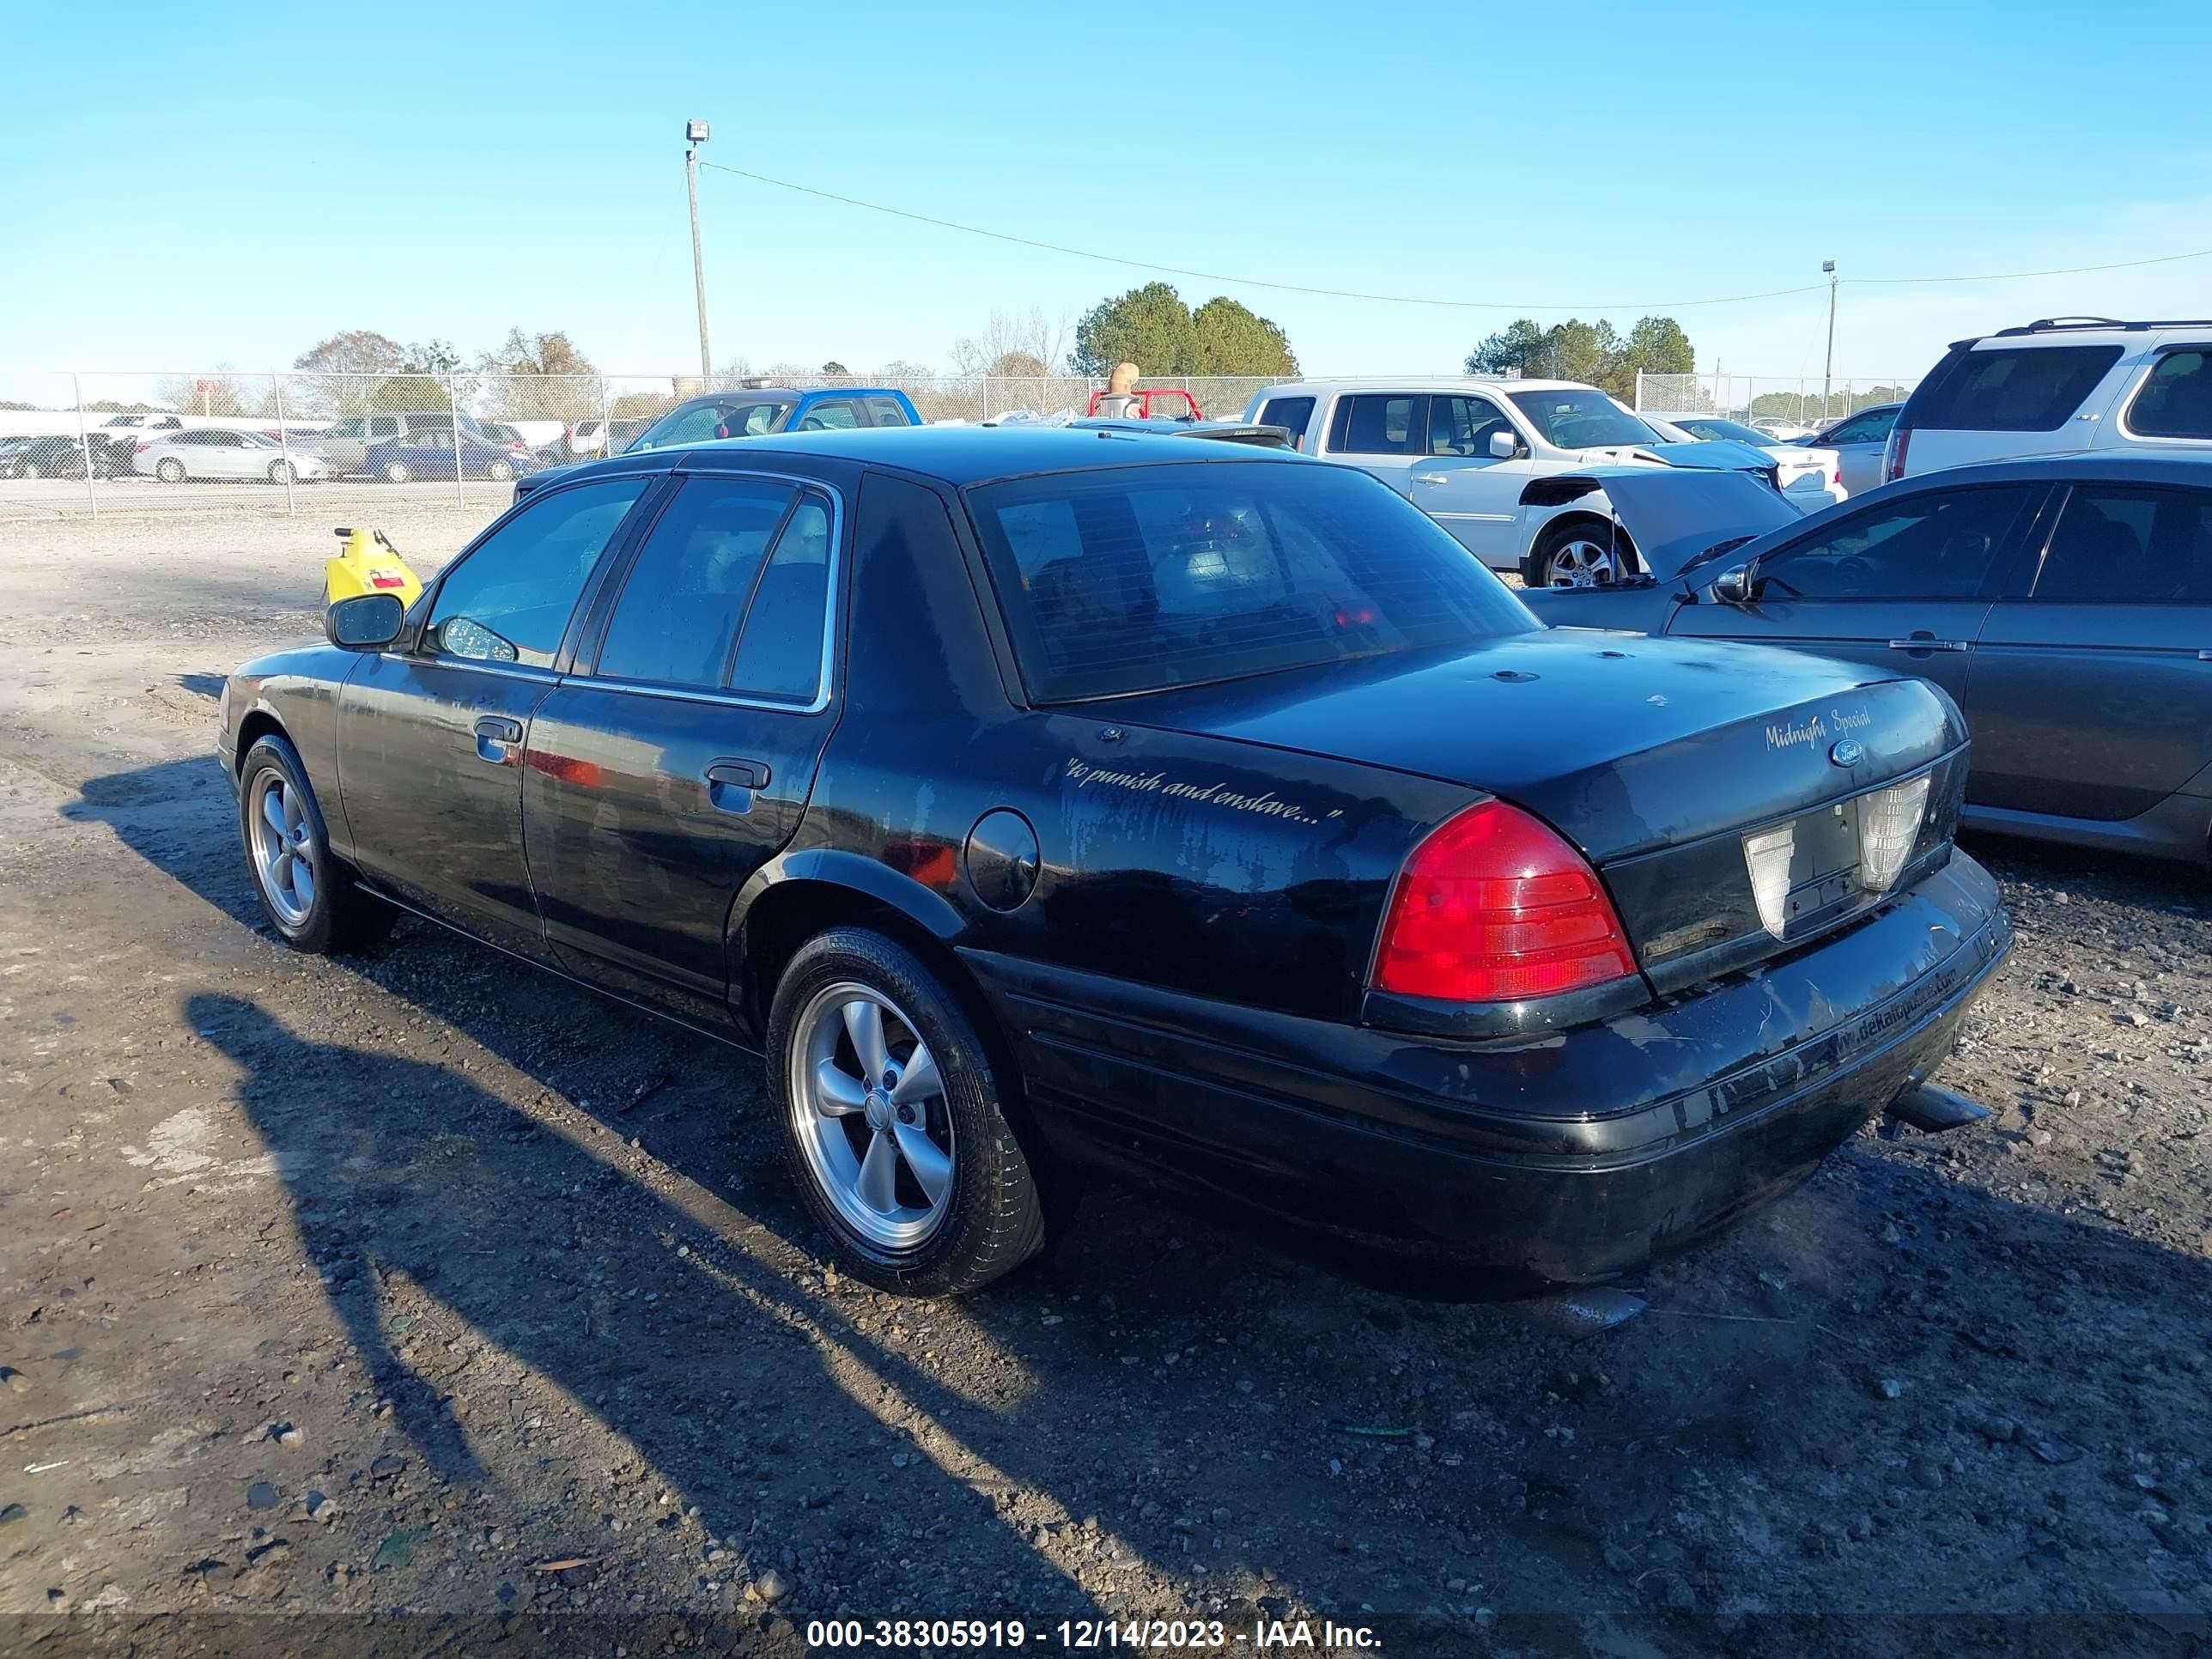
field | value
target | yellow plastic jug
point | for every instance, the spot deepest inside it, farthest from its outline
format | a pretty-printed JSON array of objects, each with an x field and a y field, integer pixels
[{"x": 368, "y": 564}]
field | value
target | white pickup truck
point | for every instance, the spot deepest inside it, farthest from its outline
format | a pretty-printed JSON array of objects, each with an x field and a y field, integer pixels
[{"x": 1464, "y": 451}]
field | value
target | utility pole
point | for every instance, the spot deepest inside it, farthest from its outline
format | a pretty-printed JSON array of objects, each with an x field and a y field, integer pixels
[
  {"x": 1827, "y": 369},
  {"x": 694, "y": 133}
]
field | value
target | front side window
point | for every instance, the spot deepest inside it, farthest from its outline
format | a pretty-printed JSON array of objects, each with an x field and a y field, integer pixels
[
  {"x": 1581, "y": 418},
  {"x": 2011, "y": 388},
  {"x": 1376, "y": 423},
  {"x": 1871, "y": 426},
  {"x": 1138, "y": 577},
  {"x": 1463, "y": 426},
  {"x": 677, "y": 620},
  {"x": 349, "y": 428},
  {"x": 509, "y": 598},
  {"x": 2176, "y": 401},
  {"x": 2119, "y": 546},
  {"x": 1934, "y": 546}
]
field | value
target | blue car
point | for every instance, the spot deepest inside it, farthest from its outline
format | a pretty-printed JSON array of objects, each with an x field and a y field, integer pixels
[{"x": 398, "y": 461}]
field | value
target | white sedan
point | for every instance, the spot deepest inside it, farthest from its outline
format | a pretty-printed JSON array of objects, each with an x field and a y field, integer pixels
[
  {"x": 208, "y": 452},
  {"x": 1810, "y": 479}
]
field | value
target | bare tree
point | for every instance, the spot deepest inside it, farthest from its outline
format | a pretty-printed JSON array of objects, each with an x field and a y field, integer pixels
[{"x": 1030, "y": 334}]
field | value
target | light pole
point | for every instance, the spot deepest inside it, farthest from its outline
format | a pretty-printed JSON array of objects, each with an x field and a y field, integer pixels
[
  {"x": 1828, "y": 368},
  {"x": 694, "y": 133}
]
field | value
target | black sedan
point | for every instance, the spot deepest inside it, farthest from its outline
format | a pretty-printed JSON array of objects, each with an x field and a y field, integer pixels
[
  {"x": 48, "y": 456},
  {"x": 2066, "y": 602},
  {"x": 1035, "y": 799}
]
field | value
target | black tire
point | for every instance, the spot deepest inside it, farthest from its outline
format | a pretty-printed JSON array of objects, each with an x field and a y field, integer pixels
[
  {"x": 993, "y": 1218},
  {"x": 169, "y": 470},
  {"x": 397, "y": 472},
  {"x": 499, "y": 471},
  {"x": 29, "y": 469},
  {"x": 1561, "y": 558},
  {"x": 340, "y": 916}
]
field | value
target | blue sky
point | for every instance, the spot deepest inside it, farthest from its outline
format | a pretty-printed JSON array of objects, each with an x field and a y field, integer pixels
[{"x": 194, "y": 185}]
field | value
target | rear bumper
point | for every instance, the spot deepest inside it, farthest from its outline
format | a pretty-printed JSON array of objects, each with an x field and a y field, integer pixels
[{"x": 1572, "y": 1158}]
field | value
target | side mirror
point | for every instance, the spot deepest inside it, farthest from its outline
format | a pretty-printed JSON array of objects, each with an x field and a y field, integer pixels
[
  {"x": 1503, "y": 445},
  {"x": 366, "y": 622},
  {"x": 1733, "y": 585}
]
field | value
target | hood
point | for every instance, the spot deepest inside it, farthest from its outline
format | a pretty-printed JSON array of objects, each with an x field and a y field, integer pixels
[
  {"x": 1623, "y": 744},
  {"x": 1710, "y": 455},
  {"x": 1672, "y": 513}
]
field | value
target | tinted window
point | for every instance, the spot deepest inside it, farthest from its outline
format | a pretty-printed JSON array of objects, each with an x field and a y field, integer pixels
[
  {"x": 781, "y": 654},
  {"x": 678, "y": 617},
  {"x": 349, "y": 428},
  {"x": 2011, "y": 388},
  {"x": 1582, "y": 418},
  {"x": 1929, "y": 547},
  {"x": 1462, "y": 426},
  {"x": 1376, "y": 425},
  {"x": 1291, "y": 412},
  {"x": 383, "y": 426},
  {"x": 886, "y": 412},
  {"x": 1125, "y": 579},
  {"x": 1707, "y": 431},
  {"x": 1870, "y": 428},
  {"x": 836, "y": 415},
  {"x": 509, "y": 600},
  {"x": 2176, "y": 401},
  {"x": 2131, "y": 547}
]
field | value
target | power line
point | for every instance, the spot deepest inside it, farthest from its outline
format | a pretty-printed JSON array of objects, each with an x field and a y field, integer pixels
[
  {"x": 1415, "y": 299},
  {"x": 1245, "y": 282}
]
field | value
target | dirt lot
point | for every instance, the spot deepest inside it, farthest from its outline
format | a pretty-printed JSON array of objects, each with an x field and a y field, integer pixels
[{"x": 399, "y": 1283}]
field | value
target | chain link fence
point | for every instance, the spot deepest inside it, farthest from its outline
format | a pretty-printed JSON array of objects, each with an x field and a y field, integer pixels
[
  {"x": 332, "y": 444},
  {"x": 1769, "y": 400}
]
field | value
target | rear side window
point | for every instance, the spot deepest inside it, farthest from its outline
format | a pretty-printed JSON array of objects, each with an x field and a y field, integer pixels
[
  {"x": 886, "y": 412},
  {"x": 677, "y": 621},
  {"x": 838, "y": 417},
  {"x": 1930, "y": 546},
  {"x": 1375, "y": 424},
  {"x": 1136, "y": 578},
  {"x": 779, "y": 654},
  {"x": 2176, "y": 401},
  {"x": 2131, "y": 547},
  {"x": 1291, "y": 412},
  {"x": 2012, "y": 388}
]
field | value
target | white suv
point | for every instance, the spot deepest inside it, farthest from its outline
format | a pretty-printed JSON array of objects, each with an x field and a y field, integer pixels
[
  {"x": 2065, "y": 383},
  {"x": 1466, "y": 451}
]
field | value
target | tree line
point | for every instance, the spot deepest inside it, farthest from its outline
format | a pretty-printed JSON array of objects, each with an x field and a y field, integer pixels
[{"x": 1595, "y": 354}]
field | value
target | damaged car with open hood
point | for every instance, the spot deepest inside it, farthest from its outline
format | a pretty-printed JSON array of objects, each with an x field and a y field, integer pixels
[{"x": 1031, "y": 800}]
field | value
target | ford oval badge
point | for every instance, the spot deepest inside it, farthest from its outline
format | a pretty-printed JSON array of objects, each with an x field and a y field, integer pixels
[{"x": 1847, "y": 753}]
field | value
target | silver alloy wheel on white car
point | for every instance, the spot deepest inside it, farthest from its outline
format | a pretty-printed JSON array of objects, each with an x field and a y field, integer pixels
[
  {"x": 170, "y": 470},
  {"x": 283, "y": 849},
  {"x": 1579, "y": 562},
  {"x": 283, "y": 472},
  {"x": 868, "y": 1109}
]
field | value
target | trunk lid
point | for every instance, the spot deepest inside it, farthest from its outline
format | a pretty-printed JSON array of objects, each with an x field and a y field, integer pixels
[{"x": 1654, "y": 758}]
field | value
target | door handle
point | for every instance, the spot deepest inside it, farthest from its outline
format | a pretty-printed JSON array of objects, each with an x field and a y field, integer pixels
[
  {"x": 2204, "y": 656},
  {"x": 1928, "y": 642},
  {"x": 730, "y": 783},
  {"x": 1432, "y": 478},
  {"x": 494, "y": 733}
]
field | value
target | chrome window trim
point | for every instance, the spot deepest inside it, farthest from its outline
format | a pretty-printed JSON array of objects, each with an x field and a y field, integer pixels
[{"x": 826, "y": 675}]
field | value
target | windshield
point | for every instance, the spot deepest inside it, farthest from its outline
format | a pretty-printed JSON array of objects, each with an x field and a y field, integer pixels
[
  {"x": 1582, "y": 417},
  {"x": 724, "y": 417},
  {"x": 1137, "y": 578}
]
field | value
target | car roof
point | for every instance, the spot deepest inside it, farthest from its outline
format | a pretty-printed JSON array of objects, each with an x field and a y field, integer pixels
[
  {"x": 2144, "y": 465},
  {"x": 957, "y": 455},
  {"x": 1421, "y": 383}
]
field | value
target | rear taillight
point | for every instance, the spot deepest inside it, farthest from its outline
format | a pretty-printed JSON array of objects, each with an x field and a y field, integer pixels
[
  {"x": 1894, "y": 459},
  {"x": 1492, "y": 906},
  {"x": 140, "y": 447}
]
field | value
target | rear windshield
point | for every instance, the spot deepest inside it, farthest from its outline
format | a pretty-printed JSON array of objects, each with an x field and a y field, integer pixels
[
  {"x": 2010, "y": 388},
  {"x": 1136, "y": 579}
]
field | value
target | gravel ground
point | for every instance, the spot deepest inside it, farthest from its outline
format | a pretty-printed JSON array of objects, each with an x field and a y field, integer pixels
[{"x": 422, "y": 1283}]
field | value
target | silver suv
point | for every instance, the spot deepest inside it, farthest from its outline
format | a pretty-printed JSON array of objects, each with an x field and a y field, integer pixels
[
  {"x": 347, "y": 442},
  {"x": 2064, "y": 383}
]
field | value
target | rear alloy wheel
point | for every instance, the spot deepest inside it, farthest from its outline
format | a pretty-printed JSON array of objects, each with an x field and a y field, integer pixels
[
  {"x": 306, "y": 893},
  {"x": 500, "y": 472},
  {"x": 397, "y": 472},
  {"x": 283, "y": 472},
  {"x": 1575, "y": 555},
  {"x": 170, "y": 470},
  {"x": 891, "y": 1110},
  {"x": 30, "y": 470}
]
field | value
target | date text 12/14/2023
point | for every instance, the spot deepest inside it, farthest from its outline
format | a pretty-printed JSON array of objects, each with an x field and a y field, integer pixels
[{"x": 1074, "y": 1635}]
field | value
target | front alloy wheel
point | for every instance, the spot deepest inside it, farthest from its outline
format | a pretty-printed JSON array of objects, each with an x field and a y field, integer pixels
[
  {"x": 1579, "y": 561},
  {"x": 305, "y": 891}
]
